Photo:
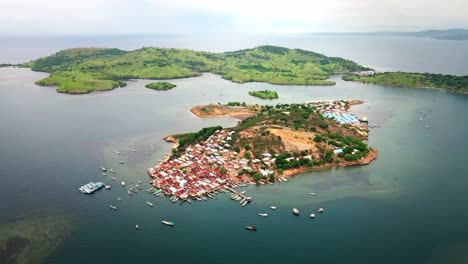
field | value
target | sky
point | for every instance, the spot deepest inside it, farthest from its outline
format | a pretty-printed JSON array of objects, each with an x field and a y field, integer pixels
[{"x": 114, "y": 17}]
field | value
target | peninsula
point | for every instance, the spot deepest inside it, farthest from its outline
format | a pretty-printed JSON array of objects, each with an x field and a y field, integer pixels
[
  {"x": 272, "y": 144},
  {"x": 450, "y": 83}
]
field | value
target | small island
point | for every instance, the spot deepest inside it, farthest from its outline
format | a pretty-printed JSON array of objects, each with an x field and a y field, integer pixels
[
  {"x": 160, "y": 86},
  {"x": 450, "y": 83},
  {"x": 266, "y": 94},
  {"x": 272, "y": 144}
]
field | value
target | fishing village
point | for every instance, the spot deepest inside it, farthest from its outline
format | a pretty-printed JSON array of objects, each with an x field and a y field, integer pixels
[{"x": 266, "y": 147}]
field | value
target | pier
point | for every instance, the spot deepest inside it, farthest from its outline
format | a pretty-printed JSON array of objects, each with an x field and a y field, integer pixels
[{"x": 249, "y": 199}]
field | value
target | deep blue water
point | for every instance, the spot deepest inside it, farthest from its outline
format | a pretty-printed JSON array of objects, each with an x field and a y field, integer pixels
[{"x": 406, "y": 207}]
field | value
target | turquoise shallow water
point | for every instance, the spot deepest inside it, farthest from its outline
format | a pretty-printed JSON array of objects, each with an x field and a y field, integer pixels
[{"x": 405, "y": 207}]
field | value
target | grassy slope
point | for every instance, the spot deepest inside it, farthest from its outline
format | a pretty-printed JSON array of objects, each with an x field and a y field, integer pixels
[
  {"x": 264, "y": 94},
  {"x": 84, "y": 70},
  {"x": 417, "y": 80}
]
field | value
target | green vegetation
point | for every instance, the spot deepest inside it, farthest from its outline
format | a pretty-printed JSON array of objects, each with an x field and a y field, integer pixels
[
  {"x": 160, "y": 86},
  {"x": 327, "y": 135},
  {"x": 188, "y": 139},
  {"x": 449, "y": 83},
  {"x": 265, "y": 94},
  {"x": 83, "y": 70}
]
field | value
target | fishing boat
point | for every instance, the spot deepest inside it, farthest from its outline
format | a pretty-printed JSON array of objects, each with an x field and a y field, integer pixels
[
  {"x": 244, "y": 203},
  {"x": 108, "y": 187},
  {"x": 113, "y": 171},
  {"x": 129, "y": 193},
  {"x": 103, "y": 174},
  {"x": 312, "y": 215},
  {"x": 123, "y": 184},
  {"x": 295, "y": 211},
  {"x": 148, "y": 203},
  {"x": 273, "y": 208},
  {"x": 320, "y": 210},
  {"x": 263, "y": 214},
  {"x": 103, "y": 169},
  {"x": 252, "y": 228},
  {"x": 167, "y": 223},
  {"x": 112, "y": 178},
  {"x": 112, "y": 207}
]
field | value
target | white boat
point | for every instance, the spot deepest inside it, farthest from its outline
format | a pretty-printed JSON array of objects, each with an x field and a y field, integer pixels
[
  {"x": 273, "y": 208},
  {"x": 112, "y": 207},
  {"x": 320, "y": 210},
  {"x": 137, "y": 227},
  {"x": 123, "y": 184},
  {"x": 295, "y": 211},
  {"x": 312, "y": 215},
  {"x": 103, "y": 174},
  {"x": 119, "y": 199},
  {"x": 263, "y": 214},
  {"x": 108, "y": 187},
  {"x": 312, "y": 193},
  {"x": 113, "y": 178}
]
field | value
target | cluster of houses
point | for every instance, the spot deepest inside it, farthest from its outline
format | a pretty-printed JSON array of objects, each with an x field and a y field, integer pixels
[
  {"x": 204, "y": 168},
  {"x": 338, "y": 111}
]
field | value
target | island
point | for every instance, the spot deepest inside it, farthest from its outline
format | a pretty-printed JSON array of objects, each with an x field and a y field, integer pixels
[
  {"x": 84, "y": 70},
  {"x": 445, "y": 34},
  {"x": 267, "y": 94},
  {"x": 272, "y": 144},
  {"x": 451, "y": 83},
  {"x": 160, "y": 86}
]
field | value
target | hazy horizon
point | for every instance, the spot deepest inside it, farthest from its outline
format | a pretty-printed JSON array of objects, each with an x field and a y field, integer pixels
[{"x": 182, "y": 17}]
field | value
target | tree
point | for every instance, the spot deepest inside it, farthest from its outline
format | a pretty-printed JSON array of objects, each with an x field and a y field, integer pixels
[
  {"x": 223, "y": 170},
  {"x": 247, "y": 155},
  {"x": 257, "y": 176}
]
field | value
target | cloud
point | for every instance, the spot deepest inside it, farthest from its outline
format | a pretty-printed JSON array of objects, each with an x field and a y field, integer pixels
[{"x": 56, "y": 17}]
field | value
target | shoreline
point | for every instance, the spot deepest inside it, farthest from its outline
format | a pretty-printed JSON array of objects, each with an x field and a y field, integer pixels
[
  {"x": 222, "y": 110},
  {"x": 233, "y": 178}
]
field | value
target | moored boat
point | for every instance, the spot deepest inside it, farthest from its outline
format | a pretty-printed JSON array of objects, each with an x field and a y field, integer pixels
[
  {"x": 103, "y": 174},
  {"x": 123, "y": 184},
  {"x": 273, "y": 208},
  {"x": 108, "y": 187},
  {"x": 148, "y": 203},
  {"x": 91, "y": 187},
  {"x": 295, "y": 211},
  {"x": 320, "y": 210},
  {"x": 263, "y": 214},
  {"x": 252, "y": 228},
  {"x": 169, "y": 223},
  {"x": 312, "y": 215},
  {"x": 103, "y": 169},
  {"x": 112, "y": 207}
]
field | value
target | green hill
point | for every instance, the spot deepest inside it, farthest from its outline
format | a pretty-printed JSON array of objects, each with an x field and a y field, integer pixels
[
  {"x": 83, "y": 70},
  {"x": 449, "y": 83}
]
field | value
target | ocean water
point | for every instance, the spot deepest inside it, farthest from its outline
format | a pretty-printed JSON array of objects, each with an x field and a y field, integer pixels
[{"x": 405, "y": 207}]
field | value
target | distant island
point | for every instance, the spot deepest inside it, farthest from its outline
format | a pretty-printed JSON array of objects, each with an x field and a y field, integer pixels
[
  {"x": 160, "y": 86},
  {"x": 84, "y": 70},
  {"x": 266, "y": 94},
  {"x": 448, "y": 34},
  {"x": 272, "y": 144},
  {"x": 451, "y": 83}
]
